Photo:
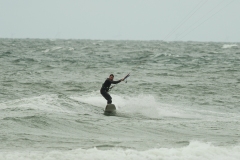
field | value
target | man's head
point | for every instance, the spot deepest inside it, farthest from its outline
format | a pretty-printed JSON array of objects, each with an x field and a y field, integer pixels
[{"x": 111, "y": 77}]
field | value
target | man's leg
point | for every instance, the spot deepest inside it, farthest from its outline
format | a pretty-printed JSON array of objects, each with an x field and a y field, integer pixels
[{"x": 107, "y": 97}]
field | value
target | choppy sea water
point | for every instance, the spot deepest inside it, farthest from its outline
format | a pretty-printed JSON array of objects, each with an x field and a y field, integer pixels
[{"x": 180, "y": 102}]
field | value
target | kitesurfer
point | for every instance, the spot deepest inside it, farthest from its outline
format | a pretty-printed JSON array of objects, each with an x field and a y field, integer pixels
[{"x": 106, "y": 86}]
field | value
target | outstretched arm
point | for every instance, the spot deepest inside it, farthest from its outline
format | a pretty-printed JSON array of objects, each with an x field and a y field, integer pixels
[{"x": 116, "y": 82}]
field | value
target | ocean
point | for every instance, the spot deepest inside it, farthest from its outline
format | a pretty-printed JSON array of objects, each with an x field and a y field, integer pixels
[{"x": 181, "y": 101}]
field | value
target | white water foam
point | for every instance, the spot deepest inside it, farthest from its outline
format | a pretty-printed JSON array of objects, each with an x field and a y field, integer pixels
[
  {"x": 146, "y": 105},
  {"x": 194, "y": 151},
  {"x": 56, "y": 48},
  {"x": 45, "y": 51},
  {"x": 93, "y": 98},
  {"x": 229, "y": 45},
  {"x": 52, "y": 49},
  {"x": 45, "y": 103},
  {"x": 70, "y": 49}
]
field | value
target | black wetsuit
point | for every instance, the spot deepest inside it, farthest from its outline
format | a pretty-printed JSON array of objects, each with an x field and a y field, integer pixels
[{"x": 105, "y": 88}]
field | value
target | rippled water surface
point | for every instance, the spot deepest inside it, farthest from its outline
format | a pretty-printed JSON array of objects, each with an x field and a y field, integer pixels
[{"x": 180, "y": 102}]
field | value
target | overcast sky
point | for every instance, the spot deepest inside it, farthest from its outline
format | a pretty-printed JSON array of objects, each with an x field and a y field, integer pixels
[{"x": 169, "y": 20}]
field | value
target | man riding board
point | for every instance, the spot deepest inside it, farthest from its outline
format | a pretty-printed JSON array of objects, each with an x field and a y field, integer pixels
[{"x": 106, "y": 86}]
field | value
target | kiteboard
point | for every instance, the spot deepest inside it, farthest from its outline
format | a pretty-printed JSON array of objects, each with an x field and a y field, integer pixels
[{"x": 110, "y": 108}]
